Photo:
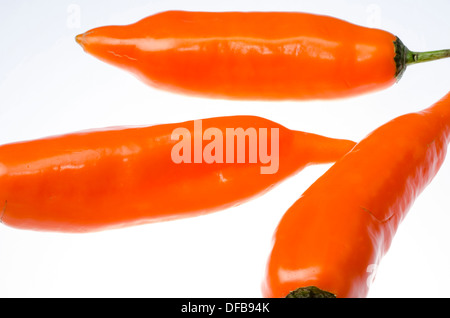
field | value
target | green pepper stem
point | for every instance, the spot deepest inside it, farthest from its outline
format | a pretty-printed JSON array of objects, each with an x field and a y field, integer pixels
[
  {"x": 404, "y": 57},
  {"x": 310, "y": 292},
  {"x": 421, "y": 57}
]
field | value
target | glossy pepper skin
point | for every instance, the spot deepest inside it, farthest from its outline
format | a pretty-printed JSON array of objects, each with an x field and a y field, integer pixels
[
  {"x": 254, "y": 55},
  {"x": 111, "y": 178},
  {"x": 341, "y": 227}
]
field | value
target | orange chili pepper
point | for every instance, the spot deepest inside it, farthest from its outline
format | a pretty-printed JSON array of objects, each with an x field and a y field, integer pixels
[
  {"x": 328, "y": 243},
  {"x": 118, "y": 177},
  {"x": 255, "y": 55}
]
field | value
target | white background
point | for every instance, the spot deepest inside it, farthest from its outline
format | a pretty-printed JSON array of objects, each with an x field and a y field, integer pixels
[{"x": 48, "y": 86}]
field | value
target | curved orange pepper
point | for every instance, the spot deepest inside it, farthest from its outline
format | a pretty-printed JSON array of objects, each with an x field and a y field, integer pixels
[
  {"x": 331, "y": 239},
  {"x": 118, "y": 177},
  {"x": 254, "y": 55}
]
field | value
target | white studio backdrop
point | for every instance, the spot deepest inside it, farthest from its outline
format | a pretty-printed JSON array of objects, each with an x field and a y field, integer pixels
[{"x": 49, "y": 86}]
